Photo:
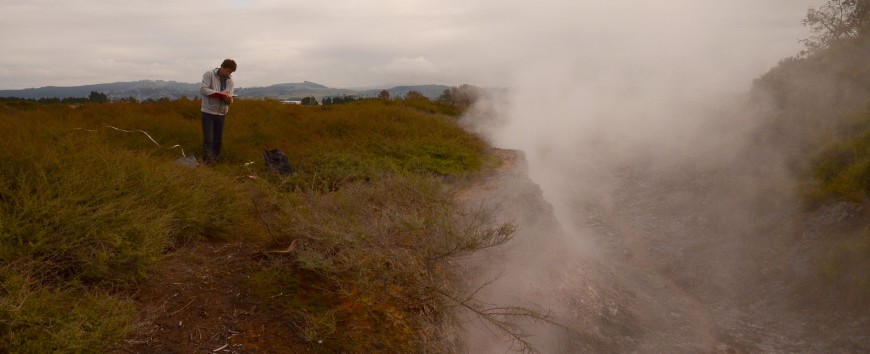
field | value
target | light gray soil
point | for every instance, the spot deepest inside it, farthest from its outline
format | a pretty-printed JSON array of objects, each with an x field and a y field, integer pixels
[{"x": 677, "y": 261}]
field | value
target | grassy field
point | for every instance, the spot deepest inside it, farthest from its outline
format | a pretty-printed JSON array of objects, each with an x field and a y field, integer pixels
[{"x": 88, "y": 211}]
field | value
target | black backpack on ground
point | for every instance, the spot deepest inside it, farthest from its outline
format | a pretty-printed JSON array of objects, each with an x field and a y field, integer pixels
[{"x": 277, "y": 161}]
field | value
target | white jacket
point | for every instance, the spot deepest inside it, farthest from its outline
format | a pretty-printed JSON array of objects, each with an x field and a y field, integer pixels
[{"x": 211, "y": 83}]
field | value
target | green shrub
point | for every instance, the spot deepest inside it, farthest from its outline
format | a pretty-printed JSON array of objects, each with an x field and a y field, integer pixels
[
  {"x": 842, "y": 169},
  {"x": 380, "y": 260}
]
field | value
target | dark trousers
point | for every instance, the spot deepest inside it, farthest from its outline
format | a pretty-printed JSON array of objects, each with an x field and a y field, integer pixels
[{"x": 212, "y": 136}]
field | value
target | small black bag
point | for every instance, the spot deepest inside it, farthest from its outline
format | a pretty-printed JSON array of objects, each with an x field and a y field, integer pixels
[{"x": 277, "y": 161}]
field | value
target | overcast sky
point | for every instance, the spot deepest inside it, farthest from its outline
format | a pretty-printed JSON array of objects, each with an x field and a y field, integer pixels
[{"x": 357, "y": 43}]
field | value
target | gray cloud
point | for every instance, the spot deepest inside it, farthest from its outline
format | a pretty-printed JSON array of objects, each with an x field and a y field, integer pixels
[{"x": 350, "y": 43}]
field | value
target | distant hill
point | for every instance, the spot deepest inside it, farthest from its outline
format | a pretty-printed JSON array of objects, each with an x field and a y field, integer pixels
[
  {"x": 292, "y": 90},
  {"x": 157, "y": 89},
  {"x": 142, "y": 89}
]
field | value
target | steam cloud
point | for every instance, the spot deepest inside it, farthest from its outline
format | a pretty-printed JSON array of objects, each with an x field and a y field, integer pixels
[{"x": 661, "y": 86}]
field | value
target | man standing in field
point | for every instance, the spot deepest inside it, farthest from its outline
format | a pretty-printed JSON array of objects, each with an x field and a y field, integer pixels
[{"x": 217, "y": 95}]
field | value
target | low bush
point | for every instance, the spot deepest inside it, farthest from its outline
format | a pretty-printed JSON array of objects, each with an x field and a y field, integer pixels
[
  {"x": 842, "y": 169},
  {"x": 382, "y": 262}
]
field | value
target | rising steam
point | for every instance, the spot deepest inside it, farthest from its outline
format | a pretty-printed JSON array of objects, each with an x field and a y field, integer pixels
[{"x": 657, "y": 103}]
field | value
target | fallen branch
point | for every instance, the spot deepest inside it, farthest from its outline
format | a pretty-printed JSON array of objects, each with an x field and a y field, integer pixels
[
  {"x": 219, "y": 349},
  {"x": 499, "y": 316},
  {"x": 290, "y": 249},
  {"x": 268, "y": 228},
  {"x": 182, "y": 308}
]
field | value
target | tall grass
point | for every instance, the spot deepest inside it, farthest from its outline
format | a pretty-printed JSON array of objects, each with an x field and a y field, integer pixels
[
  {"x": 88, "y": 210},
  {"x": 331, "y": 145},
  {"x": 82, "y": 215}
]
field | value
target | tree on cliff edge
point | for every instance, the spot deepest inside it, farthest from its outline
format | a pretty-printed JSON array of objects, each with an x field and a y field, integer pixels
[{"x": 835, "y": 21}]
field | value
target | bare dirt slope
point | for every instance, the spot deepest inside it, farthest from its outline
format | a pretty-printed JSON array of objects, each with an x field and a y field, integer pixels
[
  {"x": 741, "y": 264},
  {"x": 677, "y": 261}
]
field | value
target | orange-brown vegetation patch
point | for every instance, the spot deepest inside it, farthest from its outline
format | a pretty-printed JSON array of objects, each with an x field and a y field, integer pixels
[{"x": 196, "y": 301}]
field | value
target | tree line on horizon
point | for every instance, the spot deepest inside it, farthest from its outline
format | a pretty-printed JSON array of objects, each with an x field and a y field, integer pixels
[
  {"x": 94, "y": 97},
  {"x": 460, "y": 96}
]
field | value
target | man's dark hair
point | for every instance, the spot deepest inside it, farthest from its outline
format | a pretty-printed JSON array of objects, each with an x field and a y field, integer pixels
[{"x": 229, "y": 64}]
